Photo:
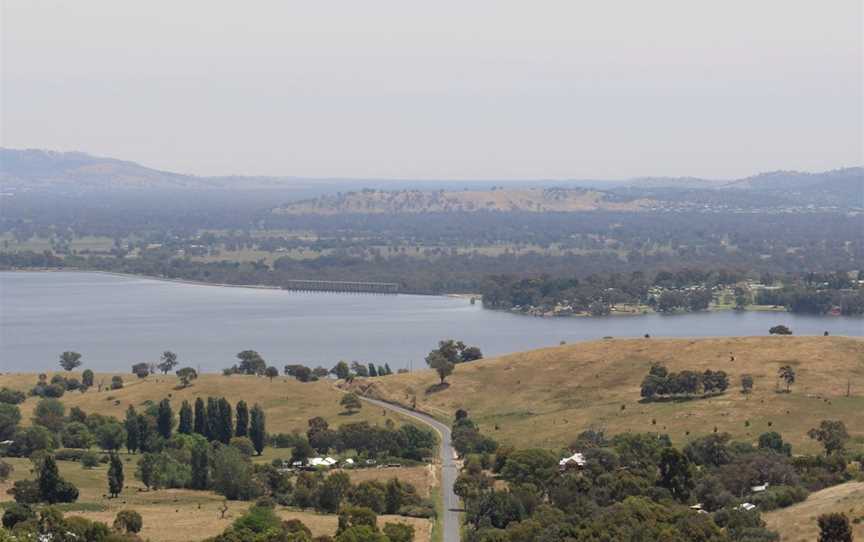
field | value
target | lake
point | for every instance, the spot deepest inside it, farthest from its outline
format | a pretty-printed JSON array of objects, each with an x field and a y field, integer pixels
[{"x": 115, "y": 321}]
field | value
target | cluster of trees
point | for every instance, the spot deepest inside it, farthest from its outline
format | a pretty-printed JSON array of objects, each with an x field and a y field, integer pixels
[
  {"x": 369, "y": 441},
  {"x": 23, "y": 523},
  {"x": 53, "y": 427},
  {"x": 687, "y": 289},
  {"x": 443, "y": 359},
  {"x": 48, "y": 486},
  {"x": 467, "y": 438},
  {"x": 659, "y": 382},
  {"x": 637, "y": 486},
  {"x": 356, "y": 524},
  {"x": 213, "y": 420},
  {"x": 816, "y": 297}
]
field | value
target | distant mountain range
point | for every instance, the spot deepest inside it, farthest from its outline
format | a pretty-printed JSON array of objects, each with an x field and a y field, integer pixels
[{"x": 35, "y": 170}]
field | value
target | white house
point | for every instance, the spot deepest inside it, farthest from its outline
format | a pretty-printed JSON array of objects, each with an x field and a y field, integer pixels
[{"x": 575, "y": 460}]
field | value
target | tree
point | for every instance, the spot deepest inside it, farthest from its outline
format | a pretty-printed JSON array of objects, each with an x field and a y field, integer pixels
[
  {"x": 187, "y": 375},
  {"x": 212, "y": 430},
  {"x": 787, "y": 373},
  {"x": 141, "y": 370},
  {"x": 111, "y": 436},
  {"x": 780, "y": 330},
  {"x": 399, "y": 532},
  {"x": 200, "y": 465},
  {"x": 350, "y": 402},
  {"x": 834, "y": 527},
  {"x": 359, "y": 369},
  {"x": 48, "y": 479},
  {"x": 440, "y": 364},
  {"x": 774, "y": 442},
  {"x": 332, "y": 492},
  {"x": 10, "y": 416},
  {"x": 115, "y": 476},
  {"x": 77, "y": 435},
  {"x": 165, "y": 419},
  {"x": 53, "y": 488},
  {"x": 373, "y": 372},
  {"x": 233, "y": 474},
  {"x": 225, "y": 427},
  {"x": 116, "y": 382},
  {"x": 87, "y": 378},
  {"x": 746, "y": 384},
  {"x": 341, "y": 370},
  {"x": 675, "y": 474},
  {"x": 271, "y": 372},
  {"x": 251, "y": 363},
  {"x": 128, "y": 521},
  {"x": 168, "y": 362},
  {"x": 50, "y": 413},
  {"x": 200, "y": 425},
  {"x": 258, "y": 428},
  {"x": 471, "y": 353},
  {"x": 185, "y": 425},
  {"x": 70, "y": 360},
  {"x": 832, "y": 434},
  {"x": 242, "y": 419}
]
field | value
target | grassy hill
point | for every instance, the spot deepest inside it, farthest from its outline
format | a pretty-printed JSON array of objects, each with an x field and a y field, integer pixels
[
  {"x": 798, "y": 523},
  {"x": 546, "y": 397},
  {"x": 287, "y": 403}
]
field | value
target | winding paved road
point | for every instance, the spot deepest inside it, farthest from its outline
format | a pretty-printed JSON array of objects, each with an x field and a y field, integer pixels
[{"x": 449, "y": 469}]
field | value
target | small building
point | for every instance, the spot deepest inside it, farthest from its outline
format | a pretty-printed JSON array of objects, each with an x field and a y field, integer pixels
[
  {"x": 759, "y": 489},
  {"x": 746, "y": 506},
  {"x": 577, "y": 460}
]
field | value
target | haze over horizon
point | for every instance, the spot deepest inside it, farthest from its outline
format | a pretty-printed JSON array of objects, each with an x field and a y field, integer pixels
[{"x": 486, "y": 90}]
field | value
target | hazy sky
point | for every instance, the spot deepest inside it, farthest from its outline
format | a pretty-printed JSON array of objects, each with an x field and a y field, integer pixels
[{"x": 439, "y": 89}]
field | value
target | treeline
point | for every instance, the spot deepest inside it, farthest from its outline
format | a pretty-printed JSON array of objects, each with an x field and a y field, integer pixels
[
  {"x": 367, "y": 441},
  {"x": 638, "y": 486},
  {"x": 814, "y": 301},
  {"x": 659, "y": 382},
  {"x": 665, "y": 291},
  {"x": 435, "y": 253},
  {"x": 356, "y": 524}
]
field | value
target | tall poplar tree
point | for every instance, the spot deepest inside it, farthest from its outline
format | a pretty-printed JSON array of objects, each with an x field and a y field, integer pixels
[
  {"x": 185, "y": 425},
  {"x": 115, "y": 476},
  {"x": 226, "y": 421},
  {"x": 258, "y": 428},
  {"x": 242, "y": 419},
  {"x": 212, "y": 432},
  {"x": 165, "y": 419},
  {"x": 132, "y": 432},
  {"x": 200, "y": 426}
]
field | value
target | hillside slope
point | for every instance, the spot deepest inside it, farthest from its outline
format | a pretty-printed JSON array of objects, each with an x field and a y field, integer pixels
[
  {"x": 546, "y": 397},
  {"x": 288, "y": 404}
]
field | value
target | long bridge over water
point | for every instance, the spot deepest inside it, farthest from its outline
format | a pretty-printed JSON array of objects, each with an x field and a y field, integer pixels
[{"x": 341, "y": 286}]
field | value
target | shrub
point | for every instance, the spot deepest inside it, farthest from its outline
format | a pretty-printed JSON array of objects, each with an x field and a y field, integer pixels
[
  {"x": 5, "y": 470},
  {"x": 244, "y": 445},
  {"x": 67, "y": 454},
  {"x": 129, "y": 521},
  {"x": 116, "y": 382},
  {"x": 16, "y": 513},
  {"x": 89, "y": 459},
  {"x": 12, "y": 397}
]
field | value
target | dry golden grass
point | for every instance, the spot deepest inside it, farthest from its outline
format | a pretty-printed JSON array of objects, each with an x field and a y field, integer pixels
[
  {"x": 287, "y": 403},
  {"x": 546, "y": 397},
  {"x": 797, "y": 523}
]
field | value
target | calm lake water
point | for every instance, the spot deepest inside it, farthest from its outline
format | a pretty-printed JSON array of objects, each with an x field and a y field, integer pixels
[{"x": 116, "y": 321}]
